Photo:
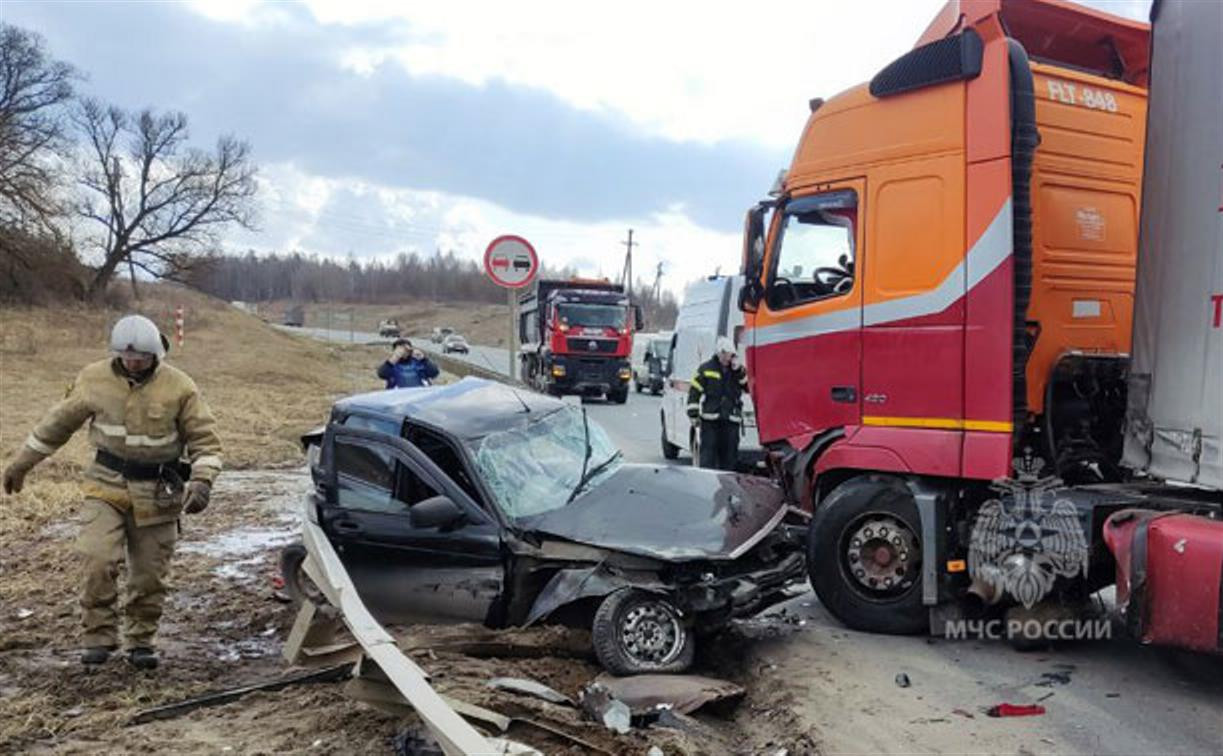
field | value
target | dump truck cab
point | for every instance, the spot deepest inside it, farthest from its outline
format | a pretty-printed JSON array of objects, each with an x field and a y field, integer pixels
[{"x": 944, "y": 276}]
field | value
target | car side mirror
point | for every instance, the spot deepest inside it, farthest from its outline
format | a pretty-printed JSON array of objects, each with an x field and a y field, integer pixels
[{"x": 436, "y": 512}]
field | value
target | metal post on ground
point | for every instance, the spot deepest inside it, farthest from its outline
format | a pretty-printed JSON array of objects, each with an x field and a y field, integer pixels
[{"x": 513, "y": 296}]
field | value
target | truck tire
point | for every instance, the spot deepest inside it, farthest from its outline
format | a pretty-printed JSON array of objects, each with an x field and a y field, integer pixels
[
  {"x": 637, "y": 632},
  {"x": 669, "y": 450},
  {"x": 619, "y": 396},
  {"x": 864, "y": 556}
]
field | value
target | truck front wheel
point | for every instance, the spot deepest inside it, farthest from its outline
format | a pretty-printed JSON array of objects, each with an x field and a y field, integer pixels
[{"x": 864, "y": 556}]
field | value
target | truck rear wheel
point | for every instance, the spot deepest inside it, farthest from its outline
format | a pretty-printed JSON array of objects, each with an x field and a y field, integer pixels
[{"x": 864, "y": 556}]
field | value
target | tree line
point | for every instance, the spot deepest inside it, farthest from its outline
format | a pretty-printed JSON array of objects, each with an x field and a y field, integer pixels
[{"x": 442, "y": 276}]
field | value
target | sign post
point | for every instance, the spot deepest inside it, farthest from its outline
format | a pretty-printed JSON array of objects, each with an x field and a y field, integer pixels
[{"x": 510, "y": 261}]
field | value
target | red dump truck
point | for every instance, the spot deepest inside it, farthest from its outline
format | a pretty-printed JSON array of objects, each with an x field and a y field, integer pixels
[
  {"x": 939, "y": 306},
  {"x": 576, "y": 336}
]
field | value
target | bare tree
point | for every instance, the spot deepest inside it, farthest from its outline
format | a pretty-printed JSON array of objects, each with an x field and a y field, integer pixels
[
  {"x": 161, "y": 203},
  {"x": 33, "y": 90}
]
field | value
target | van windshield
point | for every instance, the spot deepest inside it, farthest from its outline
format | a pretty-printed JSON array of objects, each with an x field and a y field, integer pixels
[{"x": 591, "y": 315}]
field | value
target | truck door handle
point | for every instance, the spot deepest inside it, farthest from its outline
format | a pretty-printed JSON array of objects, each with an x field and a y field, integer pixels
[
  {"x": 846, "y": 394},
  {"x": 347, "y": 526}
]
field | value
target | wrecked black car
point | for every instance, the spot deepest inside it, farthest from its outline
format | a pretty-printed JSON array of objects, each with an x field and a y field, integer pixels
[{"x": 480, "y": 502}]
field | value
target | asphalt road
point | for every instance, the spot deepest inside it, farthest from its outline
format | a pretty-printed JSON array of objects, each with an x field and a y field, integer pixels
[{"x": 1113, "y": 696}]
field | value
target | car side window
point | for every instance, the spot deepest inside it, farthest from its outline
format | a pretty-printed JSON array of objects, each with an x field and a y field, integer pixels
[
  {"x": 814, "y": 256},
  {"x": 372, "y": 479}
]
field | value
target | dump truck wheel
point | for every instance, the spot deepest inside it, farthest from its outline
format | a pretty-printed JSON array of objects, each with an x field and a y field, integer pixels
[
  {"x": 864, "y": 556},
  {"x": 298, "y": 585},
  {"x": 636, "y": 632}
]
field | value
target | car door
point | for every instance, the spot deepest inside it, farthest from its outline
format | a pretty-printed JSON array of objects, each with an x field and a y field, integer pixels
[
  {"x": 406, "y": 572},
  {"x": 807, "y": 337}
]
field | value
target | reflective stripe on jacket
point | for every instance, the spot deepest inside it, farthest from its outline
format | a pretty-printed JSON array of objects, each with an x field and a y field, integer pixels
[
  {"x": 150, "y": 422},
  {"x": 716, "y": 392}
]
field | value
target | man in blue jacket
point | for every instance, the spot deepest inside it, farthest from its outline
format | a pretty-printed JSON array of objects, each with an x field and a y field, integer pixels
[{"x": 407, "y": 367}]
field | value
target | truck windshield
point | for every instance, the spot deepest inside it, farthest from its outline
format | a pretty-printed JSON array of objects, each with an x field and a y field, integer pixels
[
  {"x": 591, "y": 315},
  {"x": 535, "y": 469}
]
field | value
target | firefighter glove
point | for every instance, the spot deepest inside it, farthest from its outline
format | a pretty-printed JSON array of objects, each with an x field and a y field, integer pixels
[
  {"x": 14, "y": 474},
  {"x": 195, "y": 498}
]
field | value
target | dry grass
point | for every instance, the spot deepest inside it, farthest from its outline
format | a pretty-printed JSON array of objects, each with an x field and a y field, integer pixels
[{"x": 265, "y": 387}]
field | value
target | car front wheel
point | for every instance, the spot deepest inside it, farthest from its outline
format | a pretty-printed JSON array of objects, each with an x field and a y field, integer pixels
[
  {"x": 298, "y": 584},
  {"x": 637, "y": 632}
]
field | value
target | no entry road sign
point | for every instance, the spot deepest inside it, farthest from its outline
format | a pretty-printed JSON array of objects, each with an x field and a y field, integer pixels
[{"x": 510, "y": 261}]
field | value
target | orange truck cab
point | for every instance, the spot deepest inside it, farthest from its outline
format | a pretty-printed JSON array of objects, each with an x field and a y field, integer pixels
[{"x": 943, "y": 282}]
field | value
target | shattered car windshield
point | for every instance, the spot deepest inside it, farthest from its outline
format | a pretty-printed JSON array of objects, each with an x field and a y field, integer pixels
[{"x": 534, "y": 469}]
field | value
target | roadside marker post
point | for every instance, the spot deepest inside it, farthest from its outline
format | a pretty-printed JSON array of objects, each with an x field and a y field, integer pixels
[
  {"x": 178, "y": 325},
  {"x": 511, "y": 263}
]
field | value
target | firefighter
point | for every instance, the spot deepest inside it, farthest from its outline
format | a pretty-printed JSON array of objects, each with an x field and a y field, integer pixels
[
  {"x": 715, "y": 400},
  {"x": 144, "y": 417}
]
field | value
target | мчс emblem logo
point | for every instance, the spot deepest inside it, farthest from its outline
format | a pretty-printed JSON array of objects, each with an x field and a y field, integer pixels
[{"x": 1026, "y": 538}]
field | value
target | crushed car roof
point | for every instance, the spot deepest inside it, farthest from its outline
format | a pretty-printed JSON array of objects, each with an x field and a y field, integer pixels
[{"x": 469, "y": 409}]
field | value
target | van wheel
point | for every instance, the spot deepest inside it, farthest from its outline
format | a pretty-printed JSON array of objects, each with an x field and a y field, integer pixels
[
  {"x": 864, "y": 556},
  {"x": 669, "y": 450},
  {"x": 636, "y": 632},
  {"x": 637, "y": 385}
]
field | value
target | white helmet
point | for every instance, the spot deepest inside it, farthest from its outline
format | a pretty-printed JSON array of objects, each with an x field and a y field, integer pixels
[
  {"x": 136, "y": 333},
  {"x": 725, "y": 345}
]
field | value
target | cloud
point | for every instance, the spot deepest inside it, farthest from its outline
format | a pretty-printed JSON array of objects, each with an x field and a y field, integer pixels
[{"x": 283, "y": 83}]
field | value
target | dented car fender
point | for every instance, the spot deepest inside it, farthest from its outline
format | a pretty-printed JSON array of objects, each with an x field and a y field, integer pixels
[{"x": 569, "y": 585}]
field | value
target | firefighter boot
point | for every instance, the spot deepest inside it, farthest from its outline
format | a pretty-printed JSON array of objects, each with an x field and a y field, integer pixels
[
  {"x": 142, "y": 657},
  {"x": 95, "y": 655}
]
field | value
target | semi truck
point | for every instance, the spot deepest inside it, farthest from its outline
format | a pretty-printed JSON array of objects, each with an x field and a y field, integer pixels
[
  {"x": 576, "y": 336},
  {"x": 938, "y": 298}
]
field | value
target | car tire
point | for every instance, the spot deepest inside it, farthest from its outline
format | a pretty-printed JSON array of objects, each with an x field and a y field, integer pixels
[
  {"x": 876, "y": 509},
  {"x": 638, "y": 632},
  {"x": 669, "y": 450},
  {"x": 298, "y": 585}
]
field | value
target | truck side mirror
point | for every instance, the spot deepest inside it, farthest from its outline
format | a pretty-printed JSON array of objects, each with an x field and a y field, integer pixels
[
  {"x": 753, "y": 257},
  {"x": 638, "y": 320}
]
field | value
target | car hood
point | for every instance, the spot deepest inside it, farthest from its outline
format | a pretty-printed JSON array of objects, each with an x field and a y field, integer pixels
[{"x": 669, "y": 513}]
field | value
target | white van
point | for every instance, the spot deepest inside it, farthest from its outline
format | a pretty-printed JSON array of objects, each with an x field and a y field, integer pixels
[
  {"x": 649, "y": 360},
  {"x": 710, "y": 309}
]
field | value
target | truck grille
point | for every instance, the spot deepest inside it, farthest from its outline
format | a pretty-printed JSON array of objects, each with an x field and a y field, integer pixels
[{"x": 591, "y": 346}]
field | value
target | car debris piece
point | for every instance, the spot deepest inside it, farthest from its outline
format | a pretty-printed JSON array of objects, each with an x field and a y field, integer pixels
[
  {"x": 217, "y": 698},
  {"x": 24, "y": 613},
  {"x": 530, "y": 688},
  {"x": 599, "y": 705},
  {"x": 902, "y": 680},
  {"x": 682, "y": 693},
  {"x": 324, "y": 568},
  {"x": 1015, "y": 710}
]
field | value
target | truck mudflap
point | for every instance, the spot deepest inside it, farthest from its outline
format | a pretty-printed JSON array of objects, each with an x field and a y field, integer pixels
[{"x": 1169, "y": 577}]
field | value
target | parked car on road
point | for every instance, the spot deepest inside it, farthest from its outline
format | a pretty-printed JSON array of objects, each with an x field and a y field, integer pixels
[
  {"x": 294, "y": 316},
  {"x": 455, "y": 343},
  {"x": 480, "y": 502},
  {"x": 649, "y": 361},
  {"x": 438, "y": 335},
  {"x": 389, "y": 328}
]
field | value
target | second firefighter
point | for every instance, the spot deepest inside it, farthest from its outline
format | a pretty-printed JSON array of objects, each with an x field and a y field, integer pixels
[{"x": 715, "y": 401}]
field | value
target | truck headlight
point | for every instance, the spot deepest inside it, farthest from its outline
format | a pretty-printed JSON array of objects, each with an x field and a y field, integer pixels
[
  {"x": 625, "y": 374},
  {"x": 558, "y": 371}
]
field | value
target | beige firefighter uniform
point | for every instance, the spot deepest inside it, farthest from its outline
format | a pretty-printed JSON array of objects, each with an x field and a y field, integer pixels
[{"x": 144, "y": 423}]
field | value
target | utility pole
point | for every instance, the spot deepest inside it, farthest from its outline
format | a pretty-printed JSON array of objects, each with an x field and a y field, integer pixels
[
  {"x": 628, "y": 264},
  {"x": 656, "y": 291}
]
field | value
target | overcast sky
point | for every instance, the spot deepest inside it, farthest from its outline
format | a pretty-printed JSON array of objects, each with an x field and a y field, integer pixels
[{"x": 390, "y": 126}]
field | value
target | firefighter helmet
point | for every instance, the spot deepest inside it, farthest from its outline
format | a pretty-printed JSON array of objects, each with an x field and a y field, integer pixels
[{"x": 138, "y": 334}]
